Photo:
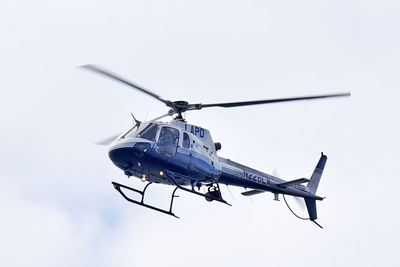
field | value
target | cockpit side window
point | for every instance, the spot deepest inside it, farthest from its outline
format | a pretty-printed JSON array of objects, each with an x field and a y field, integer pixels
[
  {"x": 168, "y": 141},
  {"x": 186, "y": 141},
  {"x": 149, "y": 132}
]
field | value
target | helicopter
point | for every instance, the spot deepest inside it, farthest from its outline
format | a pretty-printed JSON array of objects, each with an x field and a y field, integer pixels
[{"x": 184, "y": 156}]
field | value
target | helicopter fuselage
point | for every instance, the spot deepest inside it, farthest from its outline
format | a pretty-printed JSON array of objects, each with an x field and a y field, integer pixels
[{"x": 148, "y": 150}]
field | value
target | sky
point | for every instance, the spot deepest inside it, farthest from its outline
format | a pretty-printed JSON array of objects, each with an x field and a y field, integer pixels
[{"x": 58, "y": 207}]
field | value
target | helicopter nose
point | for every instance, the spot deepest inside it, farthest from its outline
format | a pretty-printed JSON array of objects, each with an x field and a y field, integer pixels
[
  {"x": 121, "y": 157},
  {"x": 126, "y": 156}
]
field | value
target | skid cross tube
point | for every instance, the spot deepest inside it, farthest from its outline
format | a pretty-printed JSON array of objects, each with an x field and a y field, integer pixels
[
  {"x": 171, "y": 176},
  {"x": 118, "y": 186}
]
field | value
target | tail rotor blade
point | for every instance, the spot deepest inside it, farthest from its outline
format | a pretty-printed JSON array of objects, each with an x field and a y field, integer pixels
[{"x": 300, "y": 203}]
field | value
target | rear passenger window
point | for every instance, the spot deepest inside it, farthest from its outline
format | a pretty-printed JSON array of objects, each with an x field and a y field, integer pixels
[{"x": 186, "y": 141}]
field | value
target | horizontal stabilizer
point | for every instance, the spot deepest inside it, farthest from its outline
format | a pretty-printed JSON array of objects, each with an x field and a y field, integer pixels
[
  {"x": 293, "y": 182},
  {"x": 252, "y": 192}
]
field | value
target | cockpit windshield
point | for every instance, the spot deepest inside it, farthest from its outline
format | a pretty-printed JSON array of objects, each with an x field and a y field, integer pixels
[
  {"x": 145, "y": 131},
  {"x": 149, "y": 132}
]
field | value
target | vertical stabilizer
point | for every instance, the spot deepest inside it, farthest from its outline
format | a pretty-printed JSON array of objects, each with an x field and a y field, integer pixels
[
  {"x": 311, "y": 208},
  {"x": 316, "y": 176}
]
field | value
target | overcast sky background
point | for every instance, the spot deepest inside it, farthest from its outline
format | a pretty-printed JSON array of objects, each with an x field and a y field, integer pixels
[{"x": 58, "y": 207}]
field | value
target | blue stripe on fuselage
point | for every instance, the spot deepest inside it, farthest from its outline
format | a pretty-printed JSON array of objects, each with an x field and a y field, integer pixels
[{"x": 151, "y": 163}]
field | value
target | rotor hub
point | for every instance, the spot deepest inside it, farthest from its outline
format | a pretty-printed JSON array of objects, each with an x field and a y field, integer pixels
[{"x": 179, "y": 107}]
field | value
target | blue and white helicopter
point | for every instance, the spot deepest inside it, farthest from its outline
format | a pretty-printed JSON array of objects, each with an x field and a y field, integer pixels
[{"x": 184, "y": 156}]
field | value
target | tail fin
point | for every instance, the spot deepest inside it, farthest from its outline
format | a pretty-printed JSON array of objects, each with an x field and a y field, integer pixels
[
  {"x": 316, "y": 176},
  {"x": 311, "y": 208},
  {"x": 312, "y": 187}
]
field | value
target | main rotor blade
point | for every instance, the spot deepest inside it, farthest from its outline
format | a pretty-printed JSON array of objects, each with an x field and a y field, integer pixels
[
  {"x": 269, "y": 101},
  {"x": 170, "y": 113},
  {"x": 107, "y": 141},
  {"x": 108, "y": 74}
]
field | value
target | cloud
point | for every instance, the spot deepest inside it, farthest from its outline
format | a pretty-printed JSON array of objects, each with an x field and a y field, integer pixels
[
  {"x": 42, "y": 234},
  {"x": 57, "y": 205}
]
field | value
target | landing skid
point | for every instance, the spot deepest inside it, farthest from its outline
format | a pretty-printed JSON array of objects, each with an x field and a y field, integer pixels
[
  {"x": 118, "y": 186},
  {"x": 172, "y": 178}
]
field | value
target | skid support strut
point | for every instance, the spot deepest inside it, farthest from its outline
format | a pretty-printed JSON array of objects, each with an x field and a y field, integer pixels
[
  {"x": 171, "y": 176},
  {"x": 118, "y": 187}
]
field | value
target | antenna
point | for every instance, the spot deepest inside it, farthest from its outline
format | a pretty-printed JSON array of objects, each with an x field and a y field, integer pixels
[{"x": 134, "y": 119}]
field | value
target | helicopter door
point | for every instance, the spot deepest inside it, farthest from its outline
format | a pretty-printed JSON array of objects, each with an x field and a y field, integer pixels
[
  {"x": 185, "y": 154},
  {"x": 168, "y": 141}
]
